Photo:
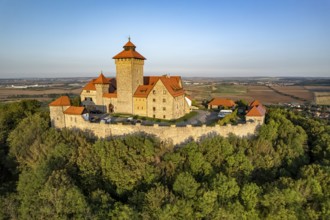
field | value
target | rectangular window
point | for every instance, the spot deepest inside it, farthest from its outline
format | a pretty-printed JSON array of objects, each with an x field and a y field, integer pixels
[
  {"x": 154, "y": 108},
  {"x": 164, "y": 100},
  {"x": 164, "y": 108},
  {"x": 154, "y": 116},
  {"x": 154, "y": 100},
  {"x": 154, "y": 92},
  {"x": 164, "y": 116},
  {"x": 88, "y": 91}
]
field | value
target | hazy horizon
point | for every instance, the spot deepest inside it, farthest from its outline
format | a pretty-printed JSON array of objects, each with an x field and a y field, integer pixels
[{"x": 216, "y": 38}]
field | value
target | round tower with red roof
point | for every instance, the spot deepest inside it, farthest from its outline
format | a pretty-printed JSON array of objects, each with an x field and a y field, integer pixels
[{"x": 129, "y": 75}]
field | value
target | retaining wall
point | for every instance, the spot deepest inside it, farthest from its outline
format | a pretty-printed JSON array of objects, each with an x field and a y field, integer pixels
[{"x": 175, "y": 133}]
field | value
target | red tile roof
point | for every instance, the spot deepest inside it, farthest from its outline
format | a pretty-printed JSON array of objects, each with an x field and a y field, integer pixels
[
  {"x": 101, "y": 80},
  {"x": 222, "y": 102},
  {"x": 74, "y": 110},
  {"x": 143, "y": 91},
  {"x": 129, "y": 52},
  {"x": 256, "y": 111},
  {"x": 61, "y": 101},
  {"x": 91, "y": 84},
  {"x": 255, "y": 103},
  {"x": 129, "y": 44},
  {"x": 172, "y": 84}
]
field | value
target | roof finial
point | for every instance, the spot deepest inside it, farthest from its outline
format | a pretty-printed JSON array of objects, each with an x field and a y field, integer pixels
[{"x": 129, "y": 37}]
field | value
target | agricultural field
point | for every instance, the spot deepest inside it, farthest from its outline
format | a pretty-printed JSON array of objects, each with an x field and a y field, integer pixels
[
  {"x": 44, "y": 94},
  {"x": 200, "y": 89},
  {"x": 322, "y": 98},
  {"x": 266, "y": 94}
]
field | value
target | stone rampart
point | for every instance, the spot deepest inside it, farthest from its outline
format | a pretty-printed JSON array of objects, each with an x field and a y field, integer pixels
[{"x": 175, "y": 133}]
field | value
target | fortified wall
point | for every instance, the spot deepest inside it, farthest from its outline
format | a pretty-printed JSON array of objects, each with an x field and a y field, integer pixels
[{"x": 177, "y": 134}]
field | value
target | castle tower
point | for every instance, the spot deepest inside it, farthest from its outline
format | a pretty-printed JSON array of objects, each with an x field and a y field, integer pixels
[
  {"x": 101, "y": 86},
  {"x": 56, "y": 109},
  {"x": 129, "y": 75}
]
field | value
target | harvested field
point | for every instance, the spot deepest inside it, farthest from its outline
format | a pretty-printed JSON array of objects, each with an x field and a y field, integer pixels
[
  {"x": 322, "y": 98},
  {"x": 266, "y": 95},
  {"x": 298, "y": 92}
]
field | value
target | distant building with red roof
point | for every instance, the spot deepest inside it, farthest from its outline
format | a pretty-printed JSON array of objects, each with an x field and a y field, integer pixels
[
  {"x": 132, "y": 93},
  {"x": 221, "y": 103},
  {"x": 256, "y": 112}
]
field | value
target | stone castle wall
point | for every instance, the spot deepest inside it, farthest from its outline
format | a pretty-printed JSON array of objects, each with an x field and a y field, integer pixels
[{"x": 174, "y": 133}]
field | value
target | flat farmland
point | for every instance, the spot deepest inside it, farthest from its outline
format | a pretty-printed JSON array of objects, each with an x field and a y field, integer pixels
[
  {"x": 321, "y": 94},
  {"x": 299, "y": 92},
  {"x": 44, "y": 94},
  {"x": 267, "y": 95}
]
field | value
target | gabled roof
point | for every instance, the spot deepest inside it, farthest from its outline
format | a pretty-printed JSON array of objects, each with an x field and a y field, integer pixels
[
  {"x": 129, "y": 52},
  {"x": 171, "y": 83},
  {"x": 143, "y": 91},
  {"x": 256, "y": 111},
  {"x": 255, "y": 103},
  {"x": 61, "y": 101},
  {"x": 74, "y": 110},
  {"x": 222, "y": 102},
  {"x": 101, "y": 80}
]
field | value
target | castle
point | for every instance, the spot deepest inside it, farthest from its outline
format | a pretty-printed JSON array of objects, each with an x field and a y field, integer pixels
[
  {"x": 153, "y": 96},
  {"x": 132, "y": 93}
]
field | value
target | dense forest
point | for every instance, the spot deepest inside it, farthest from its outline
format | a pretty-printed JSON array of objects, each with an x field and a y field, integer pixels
[{"x": 281, "y": 173}]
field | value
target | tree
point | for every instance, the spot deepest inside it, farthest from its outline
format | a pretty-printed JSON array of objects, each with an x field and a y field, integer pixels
[
  {"x": 185, "y": 185},
  {"x": 249, "y": 195},
  {"x": 25, "y": 139},
  {"x": 226, "y": 188}
]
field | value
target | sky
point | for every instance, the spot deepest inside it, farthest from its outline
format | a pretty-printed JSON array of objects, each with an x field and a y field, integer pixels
[{"x": 220, "y": 38}]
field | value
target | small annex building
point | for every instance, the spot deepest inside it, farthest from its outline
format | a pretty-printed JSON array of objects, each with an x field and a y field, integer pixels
[
  {"x": 256, "y": 112},
  {"x": 131, "y": 92},
  {"x": 62, "y": 114},
  {"x": 220, "y": 103}
]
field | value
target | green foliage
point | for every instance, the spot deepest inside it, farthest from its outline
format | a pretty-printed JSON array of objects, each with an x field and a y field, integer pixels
[
  {"x": 231, "y": 118},
  {"x": 242, "y": 103},
  {"x": 185, "y": 185},
  {"x": 75, "y": 101},
  {"x": 282, "y": 173}
]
